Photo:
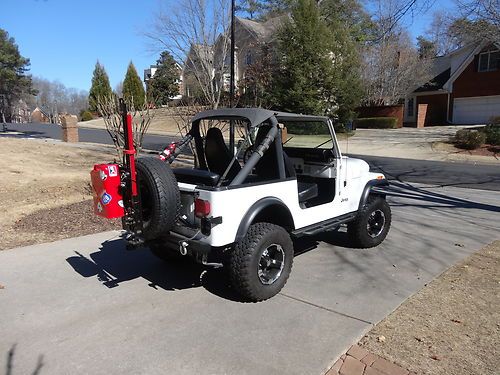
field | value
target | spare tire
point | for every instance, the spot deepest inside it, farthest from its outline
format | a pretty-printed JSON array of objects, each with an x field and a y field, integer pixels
[{"x": 159, "y": 194}]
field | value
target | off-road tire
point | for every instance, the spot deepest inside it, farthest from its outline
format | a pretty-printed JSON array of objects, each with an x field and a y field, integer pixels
[
  {"x": 245, "y": 258},
  {"x": 357, "y": 230},
  {"x": 160, "y": 197}
]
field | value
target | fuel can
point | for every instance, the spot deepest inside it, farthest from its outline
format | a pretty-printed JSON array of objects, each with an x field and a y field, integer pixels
[{"x": 108, "y": 201}]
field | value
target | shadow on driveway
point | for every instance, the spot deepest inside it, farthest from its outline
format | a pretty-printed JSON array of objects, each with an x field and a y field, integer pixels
[
  {"x": 10, "y": 362},
  {"x": 113, "y": 265}
]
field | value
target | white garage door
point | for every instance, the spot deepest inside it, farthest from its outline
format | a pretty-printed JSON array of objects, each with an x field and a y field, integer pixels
[{"x": 477, "y": 110}]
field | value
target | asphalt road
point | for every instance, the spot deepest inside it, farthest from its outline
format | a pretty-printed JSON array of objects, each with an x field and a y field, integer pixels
[
  {"x": 469, "y": 175},
  {"x": 87, "y": 306}
]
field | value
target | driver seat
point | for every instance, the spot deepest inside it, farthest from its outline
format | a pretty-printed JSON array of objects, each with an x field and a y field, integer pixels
[{"x": 218, "y": 155}]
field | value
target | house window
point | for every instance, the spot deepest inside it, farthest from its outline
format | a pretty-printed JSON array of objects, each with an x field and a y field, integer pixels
[
  {"x": 489, "y": 61},
  {"x": 410, "y": 108}
]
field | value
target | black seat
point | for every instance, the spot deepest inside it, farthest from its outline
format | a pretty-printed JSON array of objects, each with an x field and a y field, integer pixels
[
  {"x": 218, "y": 155},
  {"x": 196, "y": 176},
  {"x": 267, "y": 168}
]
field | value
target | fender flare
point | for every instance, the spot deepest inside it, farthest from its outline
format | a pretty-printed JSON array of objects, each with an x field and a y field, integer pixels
[
  {"x": 370, "y": 185},
  {"x": 257, "y": 208}
]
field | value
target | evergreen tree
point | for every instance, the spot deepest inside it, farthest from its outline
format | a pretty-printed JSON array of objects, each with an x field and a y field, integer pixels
[
  {"x": 133, "y": 90},
  {"x": 318, "y": 62},
  {"x": 14, "y": 82},
  {"x": 100, "y": 87},
  {"x": 164, "y": 84},
  {"x": 426, "y": 48}
]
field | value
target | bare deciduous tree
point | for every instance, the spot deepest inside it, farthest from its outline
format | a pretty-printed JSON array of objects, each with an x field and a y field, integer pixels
[
  {"x": 109, "y": 109},
  {"x": 392, "y": 69},
  {"x": 56, "y": 98},
  {"x": 195, "y": 32},
  {"x": 487, "y": 11}
]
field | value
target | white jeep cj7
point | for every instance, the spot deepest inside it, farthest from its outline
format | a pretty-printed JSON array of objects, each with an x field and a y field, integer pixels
[{"x": 280, "y": 176}]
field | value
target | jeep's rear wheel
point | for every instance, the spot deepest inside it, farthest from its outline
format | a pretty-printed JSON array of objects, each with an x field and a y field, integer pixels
[
  {"x": 261, "y": 262},
  {"x": 371, "y": 225},
  {"x": 159, "y": 194}
]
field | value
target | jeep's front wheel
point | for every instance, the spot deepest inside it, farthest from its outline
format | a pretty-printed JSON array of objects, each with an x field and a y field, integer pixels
[
  {"x": 261, "y": 262},
  {"x": 371, "y": 225}
]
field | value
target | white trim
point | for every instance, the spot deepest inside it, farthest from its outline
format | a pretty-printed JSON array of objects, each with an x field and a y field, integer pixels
[
  {"x": 449, "y": 84},
  {"x": 489, "y": 60}
]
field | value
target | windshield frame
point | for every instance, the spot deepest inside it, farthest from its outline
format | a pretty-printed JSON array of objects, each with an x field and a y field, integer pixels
[{"x": 335, "y": 147}]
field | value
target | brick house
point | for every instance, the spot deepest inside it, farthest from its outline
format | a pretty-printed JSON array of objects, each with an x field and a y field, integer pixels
[
  {"x": 40, "y": 114},
  {"x": 465, "y": 88},
  {"x": 249, "y": 35}
]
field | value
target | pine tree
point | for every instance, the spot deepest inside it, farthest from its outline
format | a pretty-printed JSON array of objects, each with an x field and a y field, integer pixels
[
  {"x": 14, "y": 82},
  {"x": 101, "y": 89},
  {"x": 164, "y": 84},
  {"x": 133, "y": 90},
  {"x": 318, "y": 65}
]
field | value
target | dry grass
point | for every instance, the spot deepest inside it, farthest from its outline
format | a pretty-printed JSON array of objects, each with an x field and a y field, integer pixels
[
  {"x": 163, "y": 123},
  {"x": 452, "y": 326},
  {"x": 38, "y": 176}
]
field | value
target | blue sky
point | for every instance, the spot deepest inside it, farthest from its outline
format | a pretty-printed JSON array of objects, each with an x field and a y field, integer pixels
[{"x": 64, "y": 38}]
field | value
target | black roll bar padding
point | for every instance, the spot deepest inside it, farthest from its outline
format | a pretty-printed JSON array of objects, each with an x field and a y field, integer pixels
[
  {"x": 181, "y": 145},
  {"x": 257, "y": 154},
  {"x": 279, "y": 151},
  {"x": 198, "y": 144}
]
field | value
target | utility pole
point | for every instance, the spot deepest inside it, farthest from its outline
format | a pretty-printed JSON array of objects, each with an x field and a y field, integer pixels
[{"x": 231, "y": 80}]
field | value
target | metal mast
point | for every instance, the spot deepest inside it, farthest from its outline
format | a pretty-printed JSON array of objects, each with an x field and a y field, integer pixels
[{"x": 231, "y": 79}]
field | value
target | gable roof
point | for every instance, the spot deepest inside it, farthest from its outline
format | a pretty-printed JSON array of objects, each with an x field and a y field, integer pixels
[
  {"x": 264, "y": 31},
  {"x": 44, "y": 111},
  {"x": 441, "y": 68},
  {"x": 436, "y": 83}
]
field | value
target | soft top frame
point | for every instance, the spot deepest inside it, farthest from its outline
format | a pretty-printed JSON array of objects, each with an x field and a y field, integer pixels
[{"x": 255, "y": 116}]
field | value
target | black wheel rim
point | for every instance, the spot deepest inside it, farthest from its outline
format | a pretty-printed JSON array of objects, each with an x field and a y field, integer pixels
[
  {"x": 376, "y": 223},
  {"x": 271, "y": 264}
]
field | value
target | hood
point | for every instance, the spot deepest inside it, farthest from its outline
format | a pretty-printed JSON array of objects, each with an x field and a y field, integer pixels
[{"x": 355, "y": 168}]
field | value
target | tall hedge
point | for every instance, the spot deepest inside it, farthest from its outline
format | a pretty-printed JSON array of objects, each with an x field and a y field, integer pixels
[{"x": 376, "y": 123}]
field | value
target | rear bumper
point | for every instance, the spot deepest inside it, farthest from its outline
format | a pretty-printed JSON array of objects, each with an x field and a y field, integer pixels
[{"x": 191, "y": 246}]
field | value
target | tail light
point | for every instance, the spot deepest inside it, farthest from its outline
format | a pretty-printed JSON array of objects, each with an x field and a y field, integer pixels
[{"x": 201, "y": 208}]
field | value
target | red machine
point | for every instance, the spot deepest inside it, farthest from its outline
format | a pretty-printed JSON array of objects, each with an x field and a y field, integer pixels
[
  {"x": 106, "y": 186},
  {"x": 115, "y": 185}
]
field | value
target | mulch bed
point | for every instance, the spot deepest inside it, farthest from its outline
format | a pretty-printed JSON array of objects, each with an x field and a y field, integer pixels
[
  {"x": 484, "y": 150},
  {"x": 70, "y": 220}
]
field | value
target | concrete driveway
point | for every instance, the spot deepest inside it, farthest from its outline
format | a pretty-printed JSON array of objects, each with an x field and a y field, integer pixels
[{"x": 85, "y": 305}]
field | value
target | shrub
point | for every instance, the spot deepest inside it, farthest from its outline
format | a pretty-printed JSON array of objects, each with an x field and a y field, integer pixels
[
  {"x": 86, "y": 115},
  {"x": 376, "y": 123},
  {"x": 495, "y": 120},
  {"x": 469, "y": 139},
  {"x": 492, "y": 133}
]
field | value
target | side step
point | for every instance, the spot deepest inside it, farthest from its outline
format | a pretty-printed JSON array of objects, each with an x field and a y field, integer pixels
[{"x": 324, "y": 226}]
